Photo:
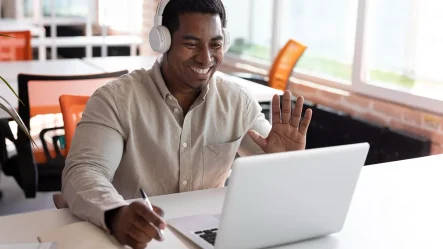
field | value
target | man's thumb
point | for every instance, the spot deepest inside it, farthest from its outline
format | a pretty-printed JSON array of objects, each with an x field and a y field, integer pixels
[{"x": 258, "y": 139}]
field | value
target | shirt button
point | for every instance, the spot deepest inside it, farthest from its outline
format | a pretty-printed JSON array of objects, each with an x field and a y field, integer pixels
[
  {"x": 175, "y": 109},
  {"x": 185, "y": 145},
  {"x": 185, "y": 182},
  {"x": 169, "y": 97}
]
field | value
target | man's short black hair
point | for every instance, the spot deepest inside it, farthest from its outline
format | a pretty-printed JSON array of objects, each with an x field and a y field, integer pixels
[{"x": 173, "y": 10}]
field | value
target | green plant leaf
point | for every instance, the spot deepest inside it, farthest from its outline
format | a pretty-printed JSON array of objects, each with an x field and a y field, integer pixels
[
  {"x": 10, "y": 87},
  {"x": 14, "y": 115}
]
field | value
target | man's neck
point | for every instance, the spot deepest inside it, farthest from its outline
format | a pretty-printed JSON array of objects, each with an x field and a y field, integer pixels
[{"x": 185, "y": 95}]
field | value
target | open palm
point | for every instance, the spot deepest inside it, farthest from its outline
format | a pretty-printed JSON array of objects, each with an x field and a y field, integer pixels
[{"x": 287, "y": 133}]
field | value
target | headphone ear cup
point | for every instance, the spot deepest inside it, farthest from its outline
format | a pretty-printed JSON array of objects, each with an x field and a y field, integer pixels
[
  {"x": 160, "y": 39},
  {"x": 166, "y": 38},
  {"x": 226, "y": 40}
]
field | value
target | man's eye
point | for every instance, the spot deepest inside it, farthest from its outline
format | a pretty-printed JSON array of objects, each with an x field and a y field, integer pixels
[
  {"x": 217, "y": 45},
  {"x": 190, "y": 45}
]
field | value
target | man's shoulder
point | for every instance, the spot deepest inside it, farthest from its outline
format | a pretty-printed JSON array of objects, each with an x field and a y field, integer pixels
[
  {"x": 125, "y": 87},
  {"x": 229, "y": 86},
  {"x": 126, "y": 82}
]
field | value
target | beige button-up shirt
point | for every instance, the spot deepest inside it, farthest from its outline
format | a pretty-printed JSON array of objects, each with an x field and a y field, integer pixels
[{"x": 133, "y": 135}]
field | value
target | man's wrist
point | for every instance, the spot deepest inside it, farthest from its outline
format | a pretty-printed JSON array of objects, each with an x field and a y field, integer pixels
[{"x": 110, "y": 217}]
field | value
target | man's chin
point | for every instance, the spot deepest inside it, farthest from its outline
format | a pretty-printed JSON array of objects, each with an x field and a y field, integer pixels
[{"x": 200, "y": 82}]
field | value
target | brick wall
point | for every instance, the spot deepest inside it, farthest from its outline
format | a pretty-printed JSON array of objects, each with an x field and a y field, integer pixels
[{"x": 382, "y": 112}]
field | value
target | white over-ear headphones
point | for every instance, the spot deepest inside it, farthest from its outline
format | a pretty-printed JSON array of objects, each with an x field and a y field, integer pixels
[{"x": 160, "y": 37}]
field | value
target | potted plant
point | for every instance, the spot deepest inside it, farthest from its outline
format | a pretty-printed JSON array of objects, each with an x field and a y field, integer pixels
[{"x": 7, "y": 107}]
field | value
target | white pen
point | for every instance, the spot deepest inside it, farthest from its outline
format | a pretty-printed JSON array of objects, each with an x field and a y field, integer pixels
[{"x": 145, "y": 198}]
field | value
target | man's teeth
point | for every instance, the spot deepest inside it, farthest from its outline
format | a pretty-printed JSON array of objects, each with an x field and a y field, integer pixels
[{"x": 200, "y": 71}]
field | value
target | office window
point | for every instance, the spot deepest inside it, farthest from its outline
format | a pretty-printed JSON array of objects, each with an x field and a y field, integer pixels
[
  {"x": 404, "y": 45},
  {"x": 129, "y": 12},
  {"x": 327, "y": 28},
  {"x": 63, "y": 8},
  {"x": 389, "y": 42},
  {"x": 250, "y": 24}
]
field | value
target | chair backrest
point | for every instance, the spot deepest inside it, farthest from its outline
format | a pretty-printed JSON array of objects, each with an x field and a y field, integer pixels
[
  {"x": 284, "y": 63},
  {"x": 72, "y": 109},
  {"x": 46, "y": 100},
  {"x": 17, "y": 48},
  {"x": 40, "y": 93}
]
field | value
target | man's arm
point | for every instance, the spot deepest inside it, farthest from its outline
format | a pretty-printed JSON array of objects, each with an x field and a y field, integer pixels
[
  {"x": 255, "y": 120},
  {"x": 95, "y": 154}
]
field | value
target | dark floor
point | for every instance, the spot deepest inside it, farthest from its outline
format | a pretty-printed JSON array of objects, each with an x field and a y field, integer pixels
[{"x": 14, "y": 201}]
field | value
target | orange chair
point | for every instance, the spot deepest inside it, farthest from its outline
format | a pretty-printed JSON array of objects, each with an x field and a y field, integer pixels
[
  {"x": 72, "y": 109},
  {"x": 39, "y": 169},
  {"x": 281, "y": 68},
  {"x": 283, "y": 65},
  {"x": 17, "y": 48}
]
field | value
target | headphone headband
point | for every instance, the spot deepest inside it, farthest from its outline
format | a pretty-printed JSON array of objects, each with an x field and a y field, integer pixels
[
  {"x": 158, "y": 19},
  {"x": 159, "y": 15},
  {"x": 160, "y": 37}
]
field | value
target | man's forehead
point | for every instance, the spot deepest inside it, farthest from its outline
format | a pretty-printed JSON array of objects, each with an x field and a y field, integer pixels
[{"x": 196, "y": 20}]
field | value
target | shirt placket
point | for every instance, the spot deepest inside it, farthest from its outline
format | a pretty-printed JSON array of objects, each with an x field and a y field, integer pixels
[
  {"x": 185, "y": 147},
  {"x": 185, "y": 156}
]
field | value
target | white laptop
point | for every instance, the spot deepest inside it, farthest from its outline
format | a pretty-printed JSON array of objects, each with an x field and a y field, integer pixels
[{"x": 280, "y": 198}]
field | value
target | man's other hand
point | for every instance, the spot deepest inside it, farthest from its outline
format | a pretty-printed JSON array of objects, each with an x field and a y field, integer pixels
[{"x": 136, "y": 225}]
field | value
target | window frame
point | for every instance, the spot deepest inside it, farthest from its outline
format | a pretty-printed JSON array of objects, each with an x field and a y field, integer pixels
[{"x": 359, "y": 82}]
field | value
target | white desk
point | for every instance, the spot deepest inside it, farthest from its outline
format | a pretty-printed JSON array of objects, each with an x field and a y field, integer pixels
[
  {"x": 21, "y": 25},
  {"x": 396, "y": 205},
  {"x": 116, "y": 63},
  {"x": 10, "y": 71},
  {"x": 109, "y": 64},
  {"x": 83, "y": 41}
]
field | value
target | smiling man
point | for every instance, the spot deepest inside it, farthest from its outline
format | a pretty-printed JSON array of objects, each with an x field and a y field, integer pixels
[{"x": 173, "y": 128}]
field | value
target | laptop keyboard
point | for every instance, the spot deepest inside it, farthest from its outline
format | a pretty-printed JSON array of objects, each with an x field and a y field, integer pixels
[{"x": 208, "y": 235}]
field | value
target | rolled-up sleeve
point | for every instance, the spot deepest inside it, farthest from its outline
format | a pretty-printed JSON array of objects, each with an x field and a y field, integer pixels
[
  {"x": 94, "y": 156},
  {"x": 254, "y": 120}
]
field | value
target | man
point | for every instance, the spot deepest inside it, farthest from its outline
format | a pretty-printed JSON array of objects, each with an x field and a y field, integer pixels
[{"x": 172, "y": 128}]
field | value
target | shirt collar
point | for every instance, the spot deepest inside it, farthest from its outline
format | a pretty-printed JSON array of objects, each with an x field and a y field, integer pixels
[{"x": 158, "y": 78}]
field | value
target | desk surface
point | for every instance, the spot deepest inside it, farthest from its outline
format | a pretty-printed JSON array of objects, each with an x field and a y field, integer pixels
[
  {"x": 10, "y": 71},
  {"x": 395, "y": 205},
  {"x": 19, "y": 25},
  {"x": 109, "y": 64}
]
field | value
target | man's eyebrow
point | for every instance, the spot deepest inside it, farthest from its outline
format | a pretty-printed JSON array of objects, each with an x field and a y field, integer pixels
[
  {"x": 217, "y": 38},
  {"x": 190, "y": 37}
]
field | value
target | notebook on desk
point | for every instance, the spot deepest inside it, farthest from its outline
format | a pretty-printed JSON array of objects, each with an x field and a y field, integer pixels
[
  {"x": 48, "y": 245},
  {"x": 85, "y": 235}
]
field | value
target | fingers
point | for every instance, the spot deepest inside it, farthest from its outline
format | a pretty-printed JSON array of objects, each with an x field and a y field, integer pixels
[
  {"x": 149, "y": 216},
  {"x": 258, "y": 139},
  {"x": 141, "y": 234},
  {"x": 134, "y": 243},
  {"x": 306, "y": 121},
  {"x": 296, "y": 115},
  {"x": 146, "y": 223},
  {"x": 286, "y": 107},
  {"x": 159, "y": 211},
  {"x": 147, "y": 228},
  {"x": 276, "y": 109}
]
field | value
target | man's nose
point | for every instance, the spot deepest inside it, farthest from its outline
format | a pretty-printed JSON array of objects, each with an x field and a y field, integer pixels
[{"x": 204, "y": 56}]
